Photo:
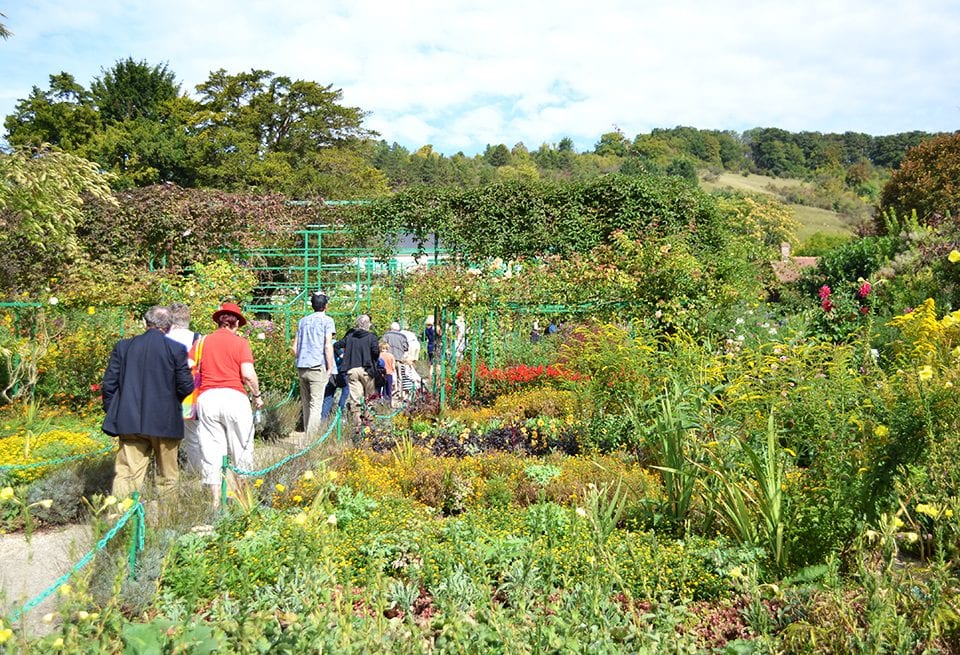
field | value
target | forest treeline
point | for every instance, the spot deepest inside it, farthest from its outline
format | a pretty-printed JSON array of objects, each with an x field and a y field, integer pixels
[{"x": 260, "y": 132}]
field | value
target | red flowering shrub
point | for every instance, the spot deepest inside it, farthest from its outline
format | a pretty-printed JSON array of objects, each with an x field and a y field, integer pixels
[{"x": 493, "y": 382}]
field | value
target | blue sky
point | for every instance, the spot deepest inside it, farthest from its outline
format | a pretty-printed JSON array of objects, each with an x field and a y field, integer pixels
[{"x": 460, "y": 75}]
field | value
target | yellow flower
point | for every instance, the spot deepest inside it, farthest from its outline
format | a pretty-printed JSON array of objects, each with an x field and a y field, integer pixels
[
  {"x": 48, "y": 618},
  {"x": 881, "y": 431},
  {"x": 954, "y": 256},
  {"x": 258, "y": 483},
  {"x": 126, "y": 503},
  {"x": 6, "y": 493},
  {"x": 46, "y": 503},
  {"x": 333, "y": 475},
  {"x": 280, "y": 488},
  {"x": 300, "y": 519},
  {"x": 925, "y": 373},
  {"x": 83, "y": 615},
  {"x": 91, "y": 310},
  {"x": 5, "y": 635},
  {"x": 298, "y": 499},
  {"x": 930, "y": 510},
  {"x": 65, "y": 590},
  {"x": 58, "y": 642}
]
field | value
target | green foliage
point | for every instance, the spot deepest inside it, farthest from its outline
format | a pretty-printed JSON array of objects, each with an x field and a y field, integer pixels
[
  {"x": 41, "y": 199},
  {"x": 858, "y": 259},
  {"x": 821, "y": 243}
]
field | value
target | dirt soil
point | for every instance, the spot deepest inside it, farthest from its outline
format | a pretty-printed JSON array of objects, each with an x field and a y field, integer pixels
[{"x": 28, "y": 566}]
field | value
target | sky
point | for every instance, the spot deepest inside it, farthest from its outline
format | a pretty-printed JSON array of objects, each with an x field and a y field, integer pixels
[{"x": 460, "y": 75}]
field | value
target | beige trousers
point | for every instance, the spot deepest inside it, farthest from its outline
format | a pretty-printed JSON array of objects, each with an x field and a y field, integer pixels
[{"x": 133, "y": 458}]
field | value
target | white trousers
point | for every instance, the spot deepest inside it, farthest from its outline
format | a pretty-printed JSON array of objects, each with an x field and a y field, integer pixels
[{"x": 224, "y": 427}]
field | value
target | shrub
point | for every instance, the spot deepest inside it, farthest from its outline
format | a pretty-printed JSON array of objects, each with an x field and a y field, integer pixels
[{"x": 25, "y": 449}]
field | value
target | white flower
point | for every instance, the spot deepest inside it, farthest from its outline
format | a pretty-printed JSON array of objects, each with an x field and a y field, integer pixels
[
  {"x": 53, "y": 300},
  {"x": 740, "y": 321},
  {"x": 48, "y": 618},
  {"x": 581, "y": 512},
  {"x": 46, "y": 503},
  {"x": 332, "y": 519},
  {"x": 261, "y": 336}
]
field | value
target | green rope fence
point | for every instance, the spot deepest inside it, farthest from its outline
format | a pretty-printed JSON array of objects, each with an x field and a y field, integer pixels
[
  {"x": 227, "y": 466},
  {"x": 60, "y": 460},
  {"x": 136, "y": 512}
]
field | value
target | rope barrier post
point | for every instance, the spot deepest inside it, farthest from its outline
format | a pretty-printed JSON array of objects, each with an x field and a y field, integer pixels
[
  {"x": 490, "y": 328},
  {"x": 136, "y": 535},
  {"x": 223, "y": 481},
  {"x": 338, "y": 422},
  {"x": 473, "y": 359},
  {"x": 443, "y": 359}
]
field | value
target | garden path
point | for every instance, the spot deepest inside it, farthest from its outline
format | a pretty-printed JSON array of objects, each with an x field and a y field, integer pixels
[{"x": 28, "y": 566}]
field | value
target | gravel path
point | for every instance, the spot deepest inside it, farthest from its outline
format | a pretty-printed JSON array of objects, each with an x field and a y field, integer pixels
[{"x": 27, "y": 567}]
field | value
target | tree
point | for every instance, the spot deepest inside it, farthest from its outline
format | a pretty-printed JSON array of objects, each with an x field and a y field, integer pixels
[
  {"x": 4, "y": 32},
  {"x": 612, "y": 143},
  {"x": 497, "y": 156},
  {"x": 253, "y": 129},
  {"x": 63, "y": 116},
  {"x": 927, "y": 181},
  {"x": 133, "y": 89}
]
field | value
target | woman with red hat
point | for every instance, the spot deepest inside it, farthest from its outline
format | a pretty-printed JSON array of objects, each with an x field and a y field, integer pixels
[{"x": 224, "y": 416}]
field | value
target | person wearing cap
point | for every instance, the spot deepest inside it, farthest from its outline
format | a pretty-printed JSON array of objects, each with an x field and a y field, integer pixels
[
  {"x": 224, "y": 416},
  {"x": 313, "y": 350}
]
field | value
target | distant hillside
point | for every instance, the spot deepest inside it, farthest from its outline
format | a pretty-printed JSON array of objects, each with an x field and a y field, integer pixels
[{"x": 812, "y": 219}]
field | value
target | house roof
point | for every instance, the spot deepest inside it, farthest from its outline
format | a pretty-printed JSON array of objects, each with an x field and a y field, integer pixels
[{"x": 791, "y": 268}]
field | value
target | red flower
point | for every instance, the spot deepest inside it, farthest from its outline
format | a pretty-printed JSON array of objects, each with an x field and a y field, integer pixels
[
  {"x": 864, "y": 290},
  {"x": 824, "y": 292},
  {"x": 827, "y": 305},
  {"x": 864, "y": 310},
  {"x": 94, "y": 388}
]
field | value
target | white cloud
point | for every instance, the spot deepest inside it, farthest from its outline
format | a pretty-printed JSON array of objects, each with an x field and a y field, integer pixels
[{"x": 462, "y": 74}]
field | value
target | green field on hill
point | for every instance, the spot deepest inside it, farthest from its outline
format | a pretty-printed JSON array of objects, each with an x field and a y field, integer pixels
[{"x": 812, "y": 219}]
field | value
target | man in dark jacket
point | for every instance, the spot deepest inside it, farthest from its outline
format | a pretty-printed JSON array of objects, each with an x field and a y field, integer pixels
[
  {"x": 360, "y": 354},
  {"x": 145, "y": 381}
]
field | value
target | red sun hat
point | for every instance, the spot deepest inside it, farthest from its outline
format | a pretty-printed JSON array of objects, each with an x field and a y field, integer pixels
[{"x": 229, "y": 308}]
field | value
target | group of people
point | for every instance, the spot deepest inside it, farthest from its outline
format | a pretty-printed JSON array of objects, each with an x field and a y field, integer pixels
[
  {"x": 149, "y": 376},
  {"x": 357, "y": 366},
  {"x": 170, "y": 386}
]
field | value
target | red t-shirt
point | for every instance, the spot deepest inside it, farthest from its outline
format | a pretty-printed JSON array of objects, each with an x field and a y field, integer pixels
[{"x": 223, "y": 353}]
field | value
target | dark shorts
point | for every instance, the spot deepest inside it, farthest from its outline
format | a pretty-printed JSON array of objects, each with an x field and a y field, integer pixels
[{"x": 432, "y": 356}]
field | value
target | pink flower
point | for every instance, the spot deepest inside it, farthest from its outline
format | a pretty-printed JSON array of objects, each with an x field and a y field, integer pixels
[
  {"x": 864, "y": 310},
  {"x": 827, "y": 305},
  {"x": 864, "y": 290},
  {"x": 824, "y": 292}
]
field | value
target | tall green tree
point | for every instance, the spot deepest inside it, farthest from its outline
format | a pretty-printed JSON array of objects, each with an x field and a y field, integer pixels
[
  {"x": 254, "y": 129},
  {"x": 130, "y": 89},
  {"x": 64, "y": 116}
]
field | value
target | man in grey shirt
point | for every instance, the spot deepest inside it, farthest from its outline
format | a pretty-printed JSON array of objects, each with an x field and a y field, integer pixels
[
  {"x": 313, "y": 349},
  {"x": 398, "y": 342}
]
